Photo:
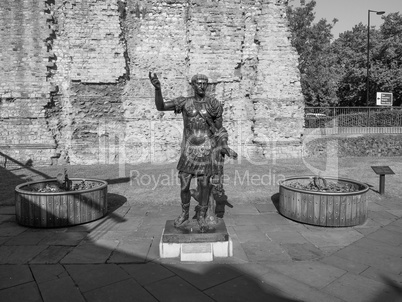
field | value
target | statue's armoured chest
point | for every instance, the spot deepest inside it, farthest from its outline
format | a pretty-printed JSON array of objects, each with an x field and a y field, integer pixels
[{"x": 193, "y": 117}]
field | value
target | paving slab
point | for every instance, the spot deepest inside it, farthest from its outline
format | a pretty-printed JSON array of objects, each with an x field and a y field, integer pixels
[
  {"x": 93, "y": 276},
  {"x": 116, "y": 235},
  {"x": 44, "y": 273},
  {"x": 383, "y": 276},
  {"x": 7, "y": 218},
  {"x": 241, "y": 209},
  {"x": 286, "y": 237},
  {"x": 176, "y": 289},
  {"x": 312, "y": 273},
  {"x": 371, "y": 258},
  {"x": 27, "y": 292},
  {"x": 4, "y": 240},
  {"x": 379, "y": 247},
  {"x": 397, "y": 213},
  {"x": 356, "y": 288},
  {"x": 12, "y": 275},
  {"x": 131, "y": 251},
  {"x": 238, "y": 252},
  {"x": 205, "y": 275},
  {"x": 250, "y": 233},
  {"x": 28, "y": 238},
  {"x": 91, "y": 252},
  {"x": 332, "y": 237},
  {"x": 51, "y": 255},
  {"x": 129, "y": 224},
  {"x": 147, "y": 273},
  {"x": 393, "y": 228},
  {"x": 263, "y": 251},
  {"x": 302, "y": 251},
  {"x": 7, "y": 210},
  {"x": 122, "y": 291},
  {"x": 63, "y": 238},
  {"x": 244, "y": 288},
  {"x": 11, "y": 254},
  {"x": 345, "y": 264},
  {"x": 60, "y": 290},
  {"x": 295, "y": 289},
  {"x": 11, "y": 229},
  {"x": 382, "y": 217},
  {"x": 387, "y": 237},
  {"x": 265, "y": 207},
  {"x": 268, "y": 219},
  {"x": 368, "y": 227},
  {"x": 291, "y": 226}
]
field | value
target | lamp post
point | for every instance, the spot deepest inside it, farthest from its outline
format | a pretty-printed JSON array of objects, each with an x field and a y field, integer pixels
[{"x": 368, "y": 52}]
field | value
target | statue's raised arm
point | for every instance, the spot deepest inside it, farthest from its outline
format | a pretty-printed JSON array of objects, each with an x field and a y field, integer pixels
[{"x": 160, "y": 104}]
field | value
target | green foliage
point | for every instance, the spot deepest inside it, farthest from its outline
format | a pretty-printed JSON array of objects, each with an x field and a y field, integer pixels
[{"x": 334, "y": 72}]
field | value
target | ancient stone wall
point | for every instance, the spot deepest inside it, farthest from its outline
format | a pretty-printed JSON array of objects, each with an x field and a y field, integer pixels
[
  {"x": 25, "y": 66},
  {"x": 97, "y": 102}
]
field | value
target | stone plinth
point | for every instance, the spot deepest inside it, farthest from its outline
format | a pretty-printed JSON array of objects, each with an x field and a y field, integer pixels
[{"x": 190, "y": 244}]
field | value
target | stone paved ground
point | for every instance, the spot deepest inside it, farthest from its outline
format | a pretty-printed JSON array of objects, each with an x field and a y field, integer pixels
[{"x": 116, "y": 258}]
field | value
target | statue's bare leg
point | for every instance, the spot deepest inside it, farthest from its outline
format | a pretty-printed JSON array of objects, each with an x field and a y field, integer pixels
[
  {"x": 185, "y": 181},
  {"x": 204, "y": 187}
]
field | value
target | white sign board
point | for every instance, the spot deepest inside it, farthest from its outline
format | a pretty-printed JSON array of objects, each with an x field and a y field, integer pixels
[{"x": 384, "y": 98}]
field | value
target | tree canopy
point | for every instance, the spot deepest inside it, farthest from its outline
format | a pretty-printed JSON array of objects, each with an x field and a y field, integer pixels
[{"x": 334, "y": 71}]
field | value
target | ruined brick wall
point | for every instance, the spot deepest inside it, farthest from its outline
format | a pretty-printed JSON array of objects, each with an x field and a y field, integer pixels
[
  {"x": 25, "y": 64},
  {"x": 99, "y": 103},
  {"x": 244, "y": 48}
]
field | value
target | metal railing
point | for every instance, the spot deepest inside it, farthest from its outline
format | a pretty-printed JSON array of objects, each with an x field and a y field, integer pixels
[{"x": 331, "y": 117}]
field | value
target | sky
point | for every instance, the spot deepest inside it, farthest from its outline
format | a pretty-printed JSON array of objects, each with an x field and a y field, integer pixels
[{"x": 351, "y": 12}]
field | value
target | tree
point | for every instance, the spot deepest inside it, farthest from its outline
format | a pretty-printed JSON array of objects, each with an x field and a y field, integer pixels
[
  {"x": 335, "y": 72},
  {"x": 385, "y": 62},
  {"x": 312, "y": 41},
  {"x": 387, "y": 71},
  {"x": 350, "y": 52}
]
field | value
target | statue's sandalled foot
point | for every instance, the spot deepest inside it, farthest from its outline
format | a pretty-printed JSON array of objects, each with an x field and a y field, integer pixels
[
  {"x": 202, "y": 223},
  {"x": 183, "y": 217}
]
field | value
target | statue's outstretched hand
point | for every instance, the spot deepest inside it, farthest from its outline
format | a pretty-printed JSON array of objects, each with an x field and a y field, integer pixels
[
  {"x": 154, "y": 80},
  {"x": 229, "y": 152}
]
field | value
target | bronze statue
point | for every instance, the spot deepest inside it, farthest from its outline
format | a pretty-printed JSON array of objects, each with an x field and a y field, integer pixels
[{"x": 203, "y": 149}]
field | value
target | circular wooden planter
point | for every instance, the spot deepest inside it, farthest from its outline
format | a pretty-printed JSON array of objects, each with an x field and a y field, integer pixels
[
  {"x": 323, "y": 208},
  {"x": 36, "y": 209}
]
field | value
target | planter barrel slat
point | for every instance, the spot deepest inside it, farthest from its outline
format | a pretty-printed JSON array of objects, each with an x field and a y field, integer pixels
[
  {"x": 56, "y": 201},
  {"x": 323, "y": 210},
  {"x": 63, "y": 210},
  {"x": 43, "y": 212},
  {"x": 342, "y": 212},
  {"x": 316, "y": 209},
  {"x": 304, "y": 207},
  {"x": 58, "y": 209},
  {"x": 337, "y": 201},
  {"x": 334, "y": 209},
  {"x": 348, "y": 211},
  {"x": 310, "y": 209},
  {"x": 330, "y": 211}
]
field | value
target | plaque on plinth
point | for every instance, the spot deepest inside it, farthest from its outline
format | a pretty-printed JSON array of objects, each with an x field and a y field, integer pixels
[{"x": 188, "y": 243}]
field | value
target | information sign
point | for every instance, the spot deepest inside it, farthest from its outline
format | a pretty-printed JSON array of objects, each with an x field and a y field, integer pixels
[{"x": 384, "y": 98}]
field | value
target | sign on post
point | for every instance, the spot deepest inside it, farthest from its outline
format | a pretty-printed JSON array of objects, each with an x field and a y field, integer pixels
[{"x": 384, "y": 98}]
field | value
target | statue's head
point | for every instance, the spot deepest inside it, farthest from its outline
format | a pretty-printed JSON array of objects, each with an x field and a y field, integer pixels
[{"x": 200, "y": 84}]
